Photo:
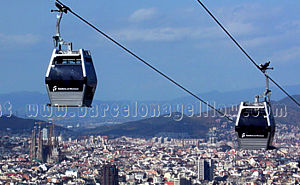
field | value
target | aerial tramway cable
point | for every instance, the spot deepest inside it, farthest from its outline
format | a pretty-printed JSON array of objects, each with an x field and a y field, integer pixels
[
  {"x": 66, "y": 8},
  {"x": 244, "y": 51}
]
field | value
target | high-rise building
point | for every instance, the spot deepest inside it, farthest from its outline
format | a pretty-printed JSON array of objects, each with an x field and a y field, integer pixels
[
  {"x": 205, "y": 169},
  {"x": 109, "y": 175}
]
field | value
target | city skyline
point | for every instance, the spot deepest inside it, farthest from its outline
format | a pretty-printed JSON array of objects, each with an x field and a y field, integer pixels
[{"x": 157, "y": 160}]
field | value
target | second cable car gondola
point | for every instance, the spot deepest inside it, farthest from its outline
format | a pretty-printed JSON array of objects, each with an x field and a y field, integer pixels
[
  {"x": 255, "y": 124},
  {"x": 71, "y": 78}
]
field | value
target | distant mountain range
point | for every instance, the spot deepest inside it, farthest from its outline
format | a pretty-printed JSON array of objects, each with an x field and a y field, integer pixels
[
  {"x": 235, "y": 97},
  {"x": 175, "y": 125},
  {"x": 19, "y": 103}
]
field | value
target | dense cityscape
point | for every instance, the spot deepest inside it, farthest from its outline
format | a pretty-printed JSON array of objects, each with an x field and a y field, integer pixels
[{"x": 158, "y": 160}]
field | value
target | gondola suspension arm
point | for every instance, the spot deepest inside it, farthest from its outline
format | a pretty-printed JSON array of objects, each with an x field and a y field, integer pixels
[{"x": 57, "y": 39}]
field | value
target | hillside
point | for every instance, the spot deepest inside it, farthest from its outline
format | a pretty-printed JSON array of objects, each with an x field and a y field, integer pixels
[
  {"x": 21, "y": 125},
  {"x": 160, "y": 126},
  {"x": 16, "y": 123},
  {"x": 290, "y": 111}
]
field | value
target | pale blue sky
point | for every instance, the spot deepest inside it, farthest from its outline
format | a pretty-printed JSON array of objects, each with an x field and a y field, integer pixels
[{"x": 176, "y": 36}]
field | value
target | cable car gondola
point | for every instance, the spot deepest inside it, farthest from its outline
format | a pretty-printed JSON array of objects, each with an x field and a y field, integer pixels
[
  {"x": 255, "y": 124},
  {"x": 71, "y": 78}
]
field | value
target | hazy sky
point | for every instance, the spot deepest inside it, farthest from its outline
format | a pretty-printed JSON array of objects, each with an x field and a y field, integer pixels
[{"x": 176, "y": 36}]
